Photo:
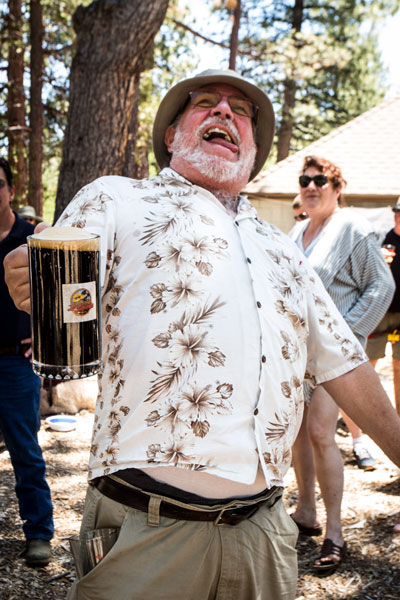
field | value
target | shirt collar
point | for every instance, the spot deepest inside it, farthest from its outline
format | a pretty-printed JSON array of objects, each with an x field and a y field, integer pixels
[
  {"x": 169, "y": 173},
  {"x": 245, "y": 209}
]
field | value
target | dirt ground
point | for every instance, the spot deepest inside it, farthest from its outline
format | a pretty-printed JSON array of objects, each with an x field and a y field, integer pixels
[{"x": 371, "y": 503}]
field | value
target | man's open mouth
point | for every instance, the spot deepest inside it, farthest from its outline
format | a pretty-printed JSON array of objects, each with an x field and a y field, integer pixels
[
  {"x": 216, "y": 132},
  {"x": 221, "y": 136}
]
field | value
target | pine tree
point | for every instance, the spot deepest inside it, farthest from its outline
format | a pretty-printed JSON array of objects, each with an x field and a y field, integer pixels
[{"x": 318, "y": 60}]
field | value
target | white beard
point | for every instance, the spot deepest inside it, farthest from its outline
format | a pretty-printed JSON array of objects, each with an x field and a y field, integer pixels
[{"x": 217, "y": 168}]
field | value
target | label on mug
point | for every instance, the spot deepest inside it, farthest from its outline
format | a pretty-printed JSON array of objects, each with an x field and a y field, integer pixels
[{"x": 79, "y": 302}]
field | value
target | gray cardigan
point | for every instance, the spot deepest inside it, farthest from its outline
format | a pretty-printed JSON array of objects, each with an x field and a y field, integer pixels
[{"x": 349, "y": 261}]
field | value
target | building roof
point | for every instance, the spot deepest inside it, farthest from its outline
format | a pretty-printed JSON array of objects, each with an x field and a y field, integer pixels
[{"x": 367, "y": 149}]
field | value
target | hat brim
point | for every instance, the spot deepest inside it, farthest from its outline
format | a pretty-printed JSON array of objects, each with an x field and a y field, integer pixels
[
  {"x": 177, "y": 96},
  {"x": 28, "y": 216}
]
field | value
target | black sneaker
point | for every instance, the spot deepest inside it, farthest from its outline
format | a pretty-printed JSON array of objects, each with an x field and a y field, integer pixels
[
  {"x": 37, "y": 552},
  {"x": 365, "y": 461}
]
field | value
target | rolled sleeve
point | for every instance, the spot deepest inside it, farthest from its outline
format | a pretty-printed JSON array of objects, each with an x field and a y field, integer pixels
[{"x": 332, "y": 348}]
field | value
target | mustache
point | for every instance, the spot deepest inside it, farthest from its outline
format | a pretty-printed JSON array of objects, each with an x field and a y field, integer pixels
[{"x": 218, "y": 121}]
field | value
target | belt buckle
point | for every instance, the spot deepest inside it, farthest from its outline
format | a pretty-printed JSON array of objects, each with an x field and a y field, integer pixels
[
  {"x": 219, "y": 517},
  {"x": 274, "y": 496},
  {"x": 252, "y": 509}
]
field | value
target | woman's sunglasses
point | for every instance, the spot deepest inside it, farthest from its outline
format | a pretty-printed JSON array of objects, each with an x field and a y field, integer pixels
[
  {"x": 301, "y": 216},
  {"x": 319, "y": 180}
]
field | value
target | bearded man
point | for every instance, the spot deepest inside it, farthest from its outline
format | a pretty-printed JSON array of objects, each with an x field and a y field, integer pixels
[{"x": 211, "y": 318}]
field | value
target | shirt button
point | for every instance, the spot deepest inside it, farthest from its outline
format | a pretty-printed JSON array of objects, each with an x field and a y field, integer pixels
[
  {"x": 236, "y": 223},
  {"x": 249, "y": 260},
  {"x": 256, "y": 411},
  {"x": 259, "y": 304},
  {"x": 263, "y": 359}
]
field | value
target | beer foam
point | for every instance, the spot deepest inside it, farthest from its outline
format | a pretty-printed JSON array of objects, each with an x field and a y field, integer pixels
[
  {"x": 65, "y": 238},
  {"x": 63, "y": 234}
]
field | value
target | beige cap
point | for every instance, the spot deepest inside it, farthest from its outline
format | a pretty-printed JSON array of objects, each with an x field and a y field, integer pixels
[{"x": 28, "y": 212}]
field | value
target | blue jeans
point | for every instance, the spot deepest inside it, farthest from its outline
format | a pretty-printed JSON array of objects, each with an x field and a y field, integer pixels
[{"x": 19, "y": 424}]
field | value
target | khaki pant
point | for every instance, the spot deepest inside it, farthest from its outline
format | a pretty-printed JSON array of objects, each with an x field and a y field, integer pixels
[{"x": 190, "y": 560}]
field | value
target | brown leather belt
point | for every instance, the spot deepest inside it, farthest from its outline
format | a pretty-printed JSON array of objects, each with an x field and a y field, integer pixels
[
  {"x": 139, "y": 500},
  {"x": 17, "y": 349}
]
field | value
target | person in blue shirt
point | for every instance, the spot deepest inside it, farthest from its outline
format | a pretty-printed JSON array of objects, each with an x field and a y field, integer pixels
[{"x": 20, "y": 395}]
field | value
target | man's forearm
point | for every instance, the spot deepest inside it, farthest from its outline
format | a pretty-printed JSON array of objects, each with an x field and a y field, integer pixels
[{"x": 360, "y": 394}]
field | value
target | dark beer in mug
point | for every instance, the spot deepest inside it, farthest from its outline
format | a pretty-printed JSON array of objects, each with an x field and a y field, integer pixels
[{"x": 64, "y": 265}]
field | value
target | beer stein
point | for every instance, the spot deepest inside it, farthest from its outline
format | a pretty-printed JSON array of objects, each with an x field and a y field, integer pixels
[{"x": 64, "y": 267}]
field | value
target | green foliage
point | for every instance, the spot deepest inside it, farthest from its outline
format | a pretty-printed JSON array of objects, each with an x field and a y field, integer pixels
[
  {"x": 59, "y": 40},
  {"x": 58, "y": 44},
  {"x": 50, "y": 180},
  {"x": 331, "y": 57},
  {"x": 172, "y": 60}
]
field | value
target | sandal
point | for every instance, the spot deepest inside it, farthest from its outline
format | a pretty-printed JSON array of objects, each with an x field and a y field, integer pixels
[
  {"x": 329, "y": 566},
  {"x": 304, "y": 530}
]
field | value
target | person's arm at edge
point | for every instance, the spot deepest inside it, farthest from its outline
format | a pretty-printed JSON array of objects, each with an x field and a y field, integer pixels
[{"x": 360, "y": 394}]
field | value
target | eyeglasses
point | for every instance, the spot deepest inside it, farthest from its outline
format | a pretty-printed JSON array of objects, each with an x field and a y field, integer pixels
[
  {"x": 3, "y": 183},
  {"x": 301, "y": 216},
  {"x": 240, "y": 106},
  {"x": 319, "y": 180}
]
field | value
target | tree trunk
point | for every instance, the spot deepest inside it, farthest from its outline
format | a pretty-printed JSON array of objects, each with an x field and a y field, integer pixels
[
  {"x": 17, "y": 129},
  {"x": 234, "y": 43},
  {"x": 289, "y": 96},
  {"x": 136, "y": 155},
  {"x": 36, "y": 107},
  {"x": 113, "y": 37},
  {"x": 286, "y": 126}
]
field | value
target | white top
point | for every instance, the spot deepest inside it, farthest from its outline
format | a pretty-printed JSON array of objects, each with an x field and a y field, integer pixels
[{"x": 209, "y": 323}]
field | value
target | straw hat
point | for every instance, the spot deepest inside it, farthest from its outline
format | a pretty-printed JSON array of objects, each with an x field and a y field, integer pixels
[
  {"x": 177, "y": 96},
  {"x": 28, "y": 212}
]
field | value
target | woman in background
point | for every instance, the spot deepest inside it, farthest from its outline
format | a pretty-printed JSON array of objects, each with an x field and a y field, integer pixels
[{"x": 343, "y": 250}]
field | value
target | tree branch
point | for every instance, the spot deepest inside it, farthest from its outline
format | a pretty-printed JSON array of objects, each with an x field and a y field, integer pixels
[
  {"x": 196, "y": 33},
  {"x": 256, "y": 57}
]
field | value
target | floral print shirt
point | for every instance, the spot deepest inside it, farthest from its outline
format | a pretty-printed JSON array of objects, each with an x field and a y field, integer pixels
[{"x": 210, "y": 324}]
